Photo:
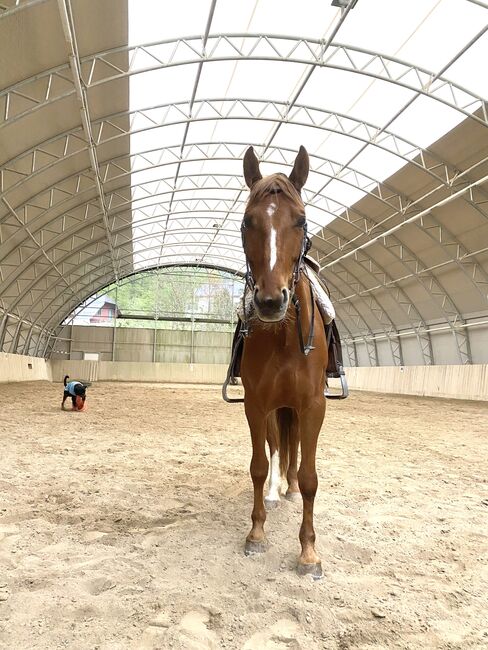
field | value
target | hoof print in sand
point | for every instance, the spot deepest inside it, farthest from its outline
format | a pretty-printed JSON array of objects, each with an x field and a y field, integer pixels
[
  {"x": 283, "y": 635},
  {"x": 97, "y": 586},
  {"x": 191, "y": 633}
]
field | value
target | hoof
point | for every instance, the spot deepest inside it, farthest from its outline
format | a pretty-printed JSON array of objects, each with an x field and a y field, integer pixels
[
  {"x": 314, "y": 570},
  {"x": 253, "y": 548},
  {"x": 271, "y": 504},
  {"x": 294, "y": 497}
]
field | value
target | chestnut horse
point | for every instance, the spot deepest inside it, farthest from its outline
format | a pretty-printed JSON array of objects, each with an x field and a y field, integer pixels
[{"x": 284, "y": 384}]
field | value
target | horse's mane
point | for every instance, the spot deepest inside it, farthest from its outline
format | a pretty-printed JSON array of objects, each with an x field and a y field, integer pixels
[{"x": 275, "y": 183}]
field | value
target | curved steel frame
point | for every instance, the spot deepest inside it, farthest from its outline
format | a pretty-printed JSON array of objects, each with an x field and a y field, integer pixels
[
  {"x": 105, "y": 67},
  {"x": 194, "y": 185},
  {"x": 81, "y": 74}
]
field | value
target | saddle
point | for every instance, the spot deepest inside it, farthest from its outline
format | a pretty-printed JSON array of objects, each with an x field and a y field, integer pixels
[{"x": 335, "y": 367}]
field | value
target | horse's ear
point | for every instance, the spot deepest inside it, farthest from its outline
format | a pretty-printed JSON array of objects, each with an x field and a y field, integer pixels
[
  {"x": 251, "y": 168},
  {"x": 299, "y": 174}
]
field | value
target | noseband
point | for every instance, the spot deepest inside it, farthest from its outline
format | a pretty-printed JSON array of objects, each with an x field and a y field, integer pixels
[{"x": 251, "y": 284}]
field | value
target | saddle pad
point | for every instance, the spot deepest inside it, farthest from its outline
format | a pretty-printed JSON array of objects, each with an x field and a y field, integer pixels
[{"x": 324, "y": 303}]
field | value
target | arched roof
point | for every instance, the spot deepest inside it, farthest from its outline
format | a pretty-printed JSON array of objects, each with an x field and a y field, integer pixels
[{"x": 122, "y": 131}]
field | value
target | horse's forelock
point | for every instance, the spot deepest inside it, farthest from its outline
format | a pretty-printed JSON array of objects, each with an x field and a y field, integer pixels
[{"x": 273, "y": 184}]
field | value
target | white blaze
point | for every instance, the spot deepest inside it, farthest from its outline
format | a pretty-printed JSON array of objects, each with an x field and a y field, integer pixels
[
  {"x": 272, "y": 240},
  {"x": 272, "y": 257}
]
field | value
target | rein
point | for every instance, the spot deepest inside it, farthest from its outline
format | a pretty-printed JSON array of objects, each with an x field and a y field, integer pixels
[{"x": 305, "y": 348}]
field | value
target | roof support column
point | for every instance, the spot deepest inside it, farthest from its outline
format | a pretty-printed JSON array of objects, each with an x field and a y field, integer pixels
[
  {"x": 3, "y": 330},
  {"x": 372, "y": 351},
  {"x": 39, "y": 342},
  {"x": 351, "y": 351},
  {"x": 15, "y": 339}
]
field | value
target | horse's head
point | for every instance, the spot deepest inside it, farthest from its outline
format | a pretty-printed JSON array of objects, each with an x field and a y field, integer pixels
[{"x": 274, "y": 234}]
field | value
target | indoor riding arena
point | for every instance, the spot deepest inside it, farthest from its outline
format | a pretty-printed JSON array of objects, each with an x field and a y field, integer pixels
[{"x": 198, "y": 198}]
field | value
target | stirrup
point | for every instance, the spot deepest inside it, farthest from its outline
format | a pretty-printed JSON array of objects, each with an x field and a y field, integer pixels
[
  {"x": 225, "y": 397},
  {"x": 344, "y": 387}
]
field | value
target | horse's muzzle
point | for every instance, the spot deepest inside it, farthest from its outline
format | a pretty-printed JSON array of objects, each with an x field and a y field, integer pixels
[{"x": 271, "y": 308}]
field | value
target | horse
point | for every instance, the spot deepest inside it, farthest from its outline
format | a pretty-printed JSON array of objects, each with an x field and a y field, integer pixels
[{"x": 283, "y": 378}]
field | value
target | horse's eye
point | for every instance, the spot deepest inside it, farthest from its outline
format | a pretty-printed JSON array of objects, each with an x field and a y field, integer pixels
[
  {"x": 301, "y": 222},
  {"x": 246, "y": 222}
]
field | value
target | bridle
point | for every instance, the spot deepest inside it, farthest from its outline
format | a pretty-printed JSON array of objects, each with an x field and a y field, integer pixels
[{"x": 251, "y": 284}]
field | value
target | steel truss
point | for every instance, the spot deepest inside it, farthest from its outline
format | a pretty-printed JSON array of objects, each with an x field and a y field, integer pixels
[
  {"x": 395, "y": 356},
  {"x": 75, "y": 185},
  {"x": 80, "y": 229},
  {"x": 10, "y": 7},
  {"x": 431, "y": 167},
  {"x": 352, "y": 216},
  {"x": 75, "y": 67},
  {"x": 32, "y": 94}
]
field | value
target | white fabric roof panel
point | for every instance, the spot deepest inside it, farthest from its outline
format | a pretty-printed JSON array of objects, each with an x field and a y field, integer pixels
[{"x": 123, "y": 126}]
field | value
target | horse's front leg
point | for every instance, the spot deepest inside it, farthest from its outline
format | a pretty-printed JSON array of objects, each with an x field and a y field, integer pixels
[
  {"x": 293, "y": 491},
  {"x": 255, "y": 541},
  {"x": 310, "y": 422},
  {"x": 272, "y": 500}
]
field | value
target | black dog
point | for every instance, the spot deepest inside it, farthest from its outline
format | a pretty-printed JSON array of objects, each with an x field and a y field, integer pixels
[{"x": 73, "y": 389}]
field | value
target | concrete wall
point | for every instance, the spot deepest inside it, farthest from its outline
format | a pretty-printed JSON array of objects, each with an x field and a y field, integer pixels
[
  {"x": 15, "y": 367},
  {"x": 460, "y": 382},
  {"x": 198, "y": 373},
  {"x": 87, "y": 370},
  {"x": 455, "y": 381}
]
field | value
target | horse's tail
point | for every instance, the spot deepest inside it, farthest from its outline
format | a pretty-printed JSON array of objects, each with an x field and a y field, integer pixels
[
  {"x": 286, "y": 424},
  {"x": 65, "y": 378}
]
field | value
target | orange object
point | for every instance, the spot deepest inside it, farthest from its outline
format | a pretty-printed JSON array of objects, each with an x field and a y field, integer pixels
[{"x": 79, "y": 403}]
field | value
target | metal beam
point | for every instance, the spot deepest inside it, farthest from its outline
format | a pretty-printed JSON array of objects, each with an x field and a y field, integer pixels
[
  {"x": 16, "y": 6},
  {"x": 66, "y": 15},
  {"x": 382, "y": 237},
  {"x": 332, "y": 231},
  {"x": 191, "y": 103},
  {"x": 105, "y": 67},
  {"x": 355, "y": 222},
  {"x": 103, "y": 277},
  {"x": 105, "y": 281},
  {"x": 112, "y": 127}
]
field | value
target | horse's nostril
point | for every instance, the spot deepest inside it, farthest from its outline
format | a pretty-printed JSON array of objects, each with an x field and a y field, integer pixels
[
  {"x": 285, "y": 295},
  {"x": 270, "y": 303}
]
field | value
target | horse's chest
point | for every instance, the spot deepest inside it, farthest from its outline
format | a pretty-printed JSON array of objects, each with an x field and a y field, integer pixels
[{"x": 273, "y": 354}]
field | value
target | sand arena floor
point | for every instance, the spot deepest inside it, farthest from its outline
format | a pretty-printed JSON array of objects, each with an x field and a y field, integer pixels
[{"x": 123, "y": 527}]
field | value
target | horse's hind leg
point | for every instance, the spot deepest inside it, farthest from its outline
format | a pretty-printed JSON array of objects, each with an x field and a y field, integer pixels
[
  {"x": 310, "y": 422},
  {"x": 255, "y": 541},
  {"x": 272, "y": 500}
]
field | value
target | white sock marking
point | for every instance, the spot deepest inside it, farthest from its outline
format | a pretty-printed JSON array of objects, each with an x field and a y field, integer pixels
[{"x": 274, "y": 478}]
